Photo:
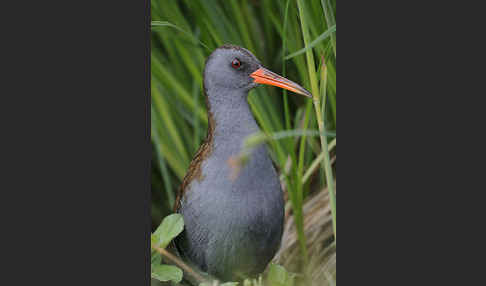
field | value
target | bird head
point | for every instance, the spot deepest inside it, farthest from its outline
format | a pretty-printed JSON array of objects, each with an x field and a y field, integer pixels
[{"x": 232, "y": 68}]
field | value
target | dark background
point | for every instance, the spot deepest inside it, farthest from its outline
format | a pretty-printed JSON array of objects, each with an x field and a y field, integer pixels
[{"x": 75, "y": 110}]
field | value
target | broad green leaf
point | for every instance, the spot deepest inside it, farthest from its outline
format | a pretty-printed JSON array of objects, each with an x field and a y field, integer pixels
[
  {"x": 170, "y": 227},
  {"x": 155, "y": 258},
  {"x": 166, "y": 273},
  {"x": 278, "y": 276}
]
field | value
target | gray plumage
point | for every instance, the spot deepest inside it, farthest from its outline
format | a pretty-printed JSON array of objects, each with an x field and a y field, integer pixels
[{"x": 233, "y": 226}]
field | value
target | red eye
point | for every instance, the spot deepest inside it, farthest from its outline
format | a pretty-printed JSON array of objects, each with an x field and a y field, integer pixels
[{"x": 235, "y": 63}]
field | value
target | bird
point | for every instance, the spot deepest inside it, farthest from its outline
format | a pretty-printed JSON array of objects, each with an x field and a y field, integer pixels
[{"x": 232, "y": 225}]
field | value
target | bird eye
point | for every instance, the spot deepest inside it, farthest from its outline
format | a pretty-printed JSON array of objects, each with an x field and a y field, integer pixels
[{"x": 236, "y": 63}]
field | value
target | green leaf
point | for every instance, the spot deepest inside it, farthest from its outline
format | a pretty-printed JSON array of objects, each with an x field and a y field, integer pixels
[
  {"x": 278, "y": 276},
  {"x": 155, "y": 258},
  {"x": 167, "y": 24},
  {"x": 322, "y": 37},
  {"x": 166, "y": 273},
  {"x": 170, "y": 227}
]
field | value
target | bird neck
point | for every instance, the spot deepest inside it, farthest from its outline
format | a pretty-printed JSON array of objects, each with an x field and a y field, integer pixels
[{"x": 230, "y": 118}]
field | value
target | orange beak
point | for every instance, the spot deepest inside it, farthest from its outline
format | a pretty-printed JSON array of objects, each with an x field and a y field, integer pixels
[{"x": 264, "y": 76}]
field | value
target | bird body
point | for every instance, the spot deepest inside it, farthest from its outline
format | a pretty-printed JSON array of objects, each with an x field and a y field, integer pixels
[{"x": 233, "y": 225}]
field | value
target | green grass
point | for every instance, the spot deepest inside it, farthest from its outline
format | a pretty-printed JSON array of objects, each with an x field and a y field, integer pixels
[{"x": 294, "y": 38}]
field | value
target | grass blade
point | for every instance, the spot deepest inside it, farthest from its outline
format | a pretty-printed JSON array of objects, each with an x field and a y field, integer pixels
[
  {"x": 167, "y": 24},
  {"x": 314, "y": 43}
]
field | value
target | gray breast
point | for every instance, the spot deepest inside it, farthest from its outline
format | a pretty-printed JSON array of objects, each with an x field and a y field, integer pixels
[{"x": 233, "y": 227}]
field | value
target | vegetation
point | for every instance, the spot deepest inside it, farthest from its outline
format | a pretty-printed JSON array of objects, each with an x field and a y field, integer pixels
[{"x": 294, "y": 38}]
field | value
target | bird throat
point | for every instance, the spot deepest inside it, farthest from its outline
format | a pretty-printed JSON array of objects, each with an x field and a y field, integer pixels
[{"x": 230, "y": 120}]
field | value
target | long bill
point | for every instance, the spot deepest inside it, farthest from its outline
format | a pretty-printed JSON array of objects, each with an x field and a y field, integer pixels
[{"x": 264, "y": 76}]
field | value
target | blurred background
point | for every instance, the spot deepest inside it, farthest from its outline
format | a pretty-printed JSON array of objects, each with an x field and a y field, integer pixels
[{"x": 294, "y": 38}]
